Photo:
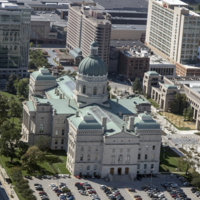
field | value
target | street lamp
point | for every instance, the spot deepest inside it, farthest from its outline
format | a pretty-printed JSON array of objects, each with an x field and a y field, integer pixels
[{"x": 151, "y": 175}]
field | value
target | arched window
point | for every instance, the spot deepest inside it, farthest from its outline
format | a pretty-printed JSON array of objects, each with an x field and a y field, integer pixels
[
  {"x": 84, "y": 89},
  {"x": 41, "y": 128},
  {"x": 120, "y": 158},
  {"x": 88, "y": 157},
  {"x": 95, "y": 91}
]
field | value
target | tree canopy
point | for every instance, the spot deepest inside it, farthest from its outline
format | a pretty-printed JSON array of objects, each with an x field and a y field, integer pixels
[
  {"x": 10, "y": 136},
  {"x": 43, "y": 143},
  {"x": 15, "y": 109},
  {"x": 32, "y": 157},
  {"x": 179, "y": 104},
  {"x": 21, "y": 86},
  {"x": 136, "y": 85},
  {"x": 4, "y": 108},
  {"x": 10, "y": 84}
]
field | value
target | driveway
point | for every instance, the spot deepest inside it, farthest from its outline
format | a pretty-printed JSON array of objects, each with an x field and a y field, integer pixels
[{"x": 122, "y": 186}]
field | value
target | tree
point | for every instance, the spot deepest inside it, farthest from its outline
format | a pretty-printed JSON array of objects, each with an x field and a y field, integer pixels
[
  {"x": 199, "y": 6},
  {"x": 186, "y": 162},
  {"x": 31, "y": 65},
  {"x": 136, "y": 85},
  {"x": 195, "y": 179},
  {"x": 31, "y": 44},
  {"x": 23, "y": 147},
  {"x": 178, "y": 104},
  {"x": 4, "y": 107},
  {"x": 10, "y": 136},
  {"x": 15, "y": 109},
  {"x": 43, "y": 143},
  {"x": 185, "y": 113},
  {"x": 38, "y": 45},
  {"x": 190, "y": 113},
  {"x": 32, "y": 157},
  {"x": 22, "y": 87},
  {"x": 10, "y": 84},
  {"x": 16, "y": 174}
]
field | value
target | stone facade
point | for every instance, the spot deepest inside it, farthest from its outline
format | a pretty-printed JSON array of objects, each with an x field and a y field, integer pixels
[
  {"x": 163, "y": 90},
  {"x": 101, "y": 136}
]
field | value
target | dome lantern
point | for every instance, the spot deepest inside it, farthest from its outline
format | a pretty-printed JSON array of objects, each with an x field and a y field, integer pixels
[
  {"x": 93, "y": 65},
  {"x": 94, "y": 49}
]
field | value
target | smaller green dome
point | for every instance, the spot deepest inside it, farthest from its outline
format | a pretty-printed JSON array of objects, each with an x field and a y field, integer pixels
[
  {"x": 94, "y": 44},
  {"x": 42, "y": 75}
]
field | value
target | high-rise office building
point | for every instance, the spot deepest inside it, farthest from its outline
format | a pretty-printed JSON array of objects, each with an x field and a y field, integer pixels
[
  {"x": 173, "y": 30},
  {"x": 14, "y": 38},
  {"x": 86, "y": 24}
]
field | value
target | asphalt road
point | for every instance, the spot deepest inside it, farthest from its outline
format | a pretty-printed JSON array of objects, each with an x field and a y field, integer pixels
[{"x": 3, "y": 194}]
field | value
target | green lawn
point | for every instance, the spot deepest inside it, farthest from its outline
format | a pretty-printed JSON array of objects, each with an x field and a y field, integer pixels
[
  {"x": 61, "y": 166},
  {"x": 8, "y": 95},
  {"x": 168, "y": 160},
  {"x": 153, "y": 103}
]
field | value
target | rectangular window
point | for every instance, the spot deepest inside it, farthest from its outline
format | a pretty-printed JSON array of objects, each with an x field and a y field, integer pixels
[
  {"x": 145, "y": 157},
  {"x": 138, "y": 166},
  {"x": 81, "y": 167},
  {"x": 147, "y": 148},
  {"x": 153, "y": 147},
  {"x": 56, "y": 141},
  {"x": 138, "y": 156},
  {"x": 152, "y": 166},
  {"x": 56, "y": 132},
  {"x": 96, "y": 156},
  {"x": 81, "y": 157},
  {"x": 88, "y": 167},
  {"x": 82, "y": 148},
  {"x": 95, "y": 167},
  {"x": 63, "y": 132},
  {"x": 62, "y": 141},
  {"x": 97, "y": 148},
  {"x": 145, "y": 166}
]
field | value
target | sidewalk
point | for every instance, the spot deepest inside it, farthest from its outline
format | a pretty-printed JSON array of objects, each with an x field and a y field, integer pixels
[{"x": 8, "y": 188}]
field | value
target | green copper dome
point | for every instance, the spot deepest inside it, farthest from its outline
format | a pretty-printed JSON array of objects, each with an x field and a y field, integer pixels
[
  {"x": 94, "y": 44},
  {"x": 92, "y": 66}
]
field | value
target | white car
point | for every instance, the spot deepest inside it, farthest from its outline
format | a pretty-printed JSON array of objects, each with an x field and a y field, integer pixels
[
  {"x": 51, "y": 184},
  {"x": 64, "y": 187}
]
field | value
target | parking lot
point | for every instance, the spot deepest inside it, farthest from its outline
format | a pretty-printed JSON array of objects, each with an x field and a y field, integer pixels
[{"x": 122, "y": 187}]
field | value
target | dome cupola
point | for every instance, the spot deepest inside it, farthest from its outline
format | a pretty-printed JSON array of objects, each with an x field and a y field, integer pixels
[{"x": 93, "y": 65}]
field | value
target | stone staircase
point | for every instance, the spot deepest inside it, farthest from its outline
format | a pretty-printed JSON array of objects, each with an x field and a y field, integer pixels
[{"x": 121, "y": 178}]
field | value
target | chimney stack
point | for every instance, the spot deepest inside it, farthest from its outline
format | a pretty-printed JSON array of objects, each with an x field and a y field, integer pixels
[
  {"x": 77, "y": 113},
  {"x": 68, "y": 102},
  {"x": 103, "y": 122},
  {"x": 60, "y": 96},
  {"x": 63, "y": 95},
  {"x": 120, "y": 113},
  {"x": 55, "y": 90},
  {"x": 130, "y": 125}
]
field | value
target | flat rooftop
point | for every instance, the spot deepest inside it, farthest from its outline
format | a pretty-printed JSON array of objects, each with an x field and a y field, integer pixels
[
  {"x": 48, "y": 16},
  {"x": 156, "y": 59},
  {"x": 128, "y": 27},
  {"x": 175, "y": 2},
  {"x": 131, "y": 43},
  {"x": 193, "y": 85}
]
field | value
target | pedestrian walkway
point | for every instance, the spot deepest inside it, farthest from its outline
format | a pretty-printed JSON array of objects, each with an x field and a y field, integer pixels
[{"x": 8, "y": 188}]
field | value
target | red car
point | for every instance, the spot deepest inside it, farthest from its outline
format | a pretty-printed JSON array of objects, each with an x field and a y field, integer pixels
[
  {"x": 131, "y": 190},
  {"x": 116, "y": 194},
  {"x": 43, "y": 193},
  {"x": 173, "y": 195},
  {"x": 88, "y": 188},
  {"x": 77, "y": 176}
]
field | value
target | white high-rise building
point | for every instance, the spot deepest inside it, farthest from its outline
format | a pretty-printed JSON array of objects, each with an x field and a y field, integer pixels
[{"x": 173, "y": 30}]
